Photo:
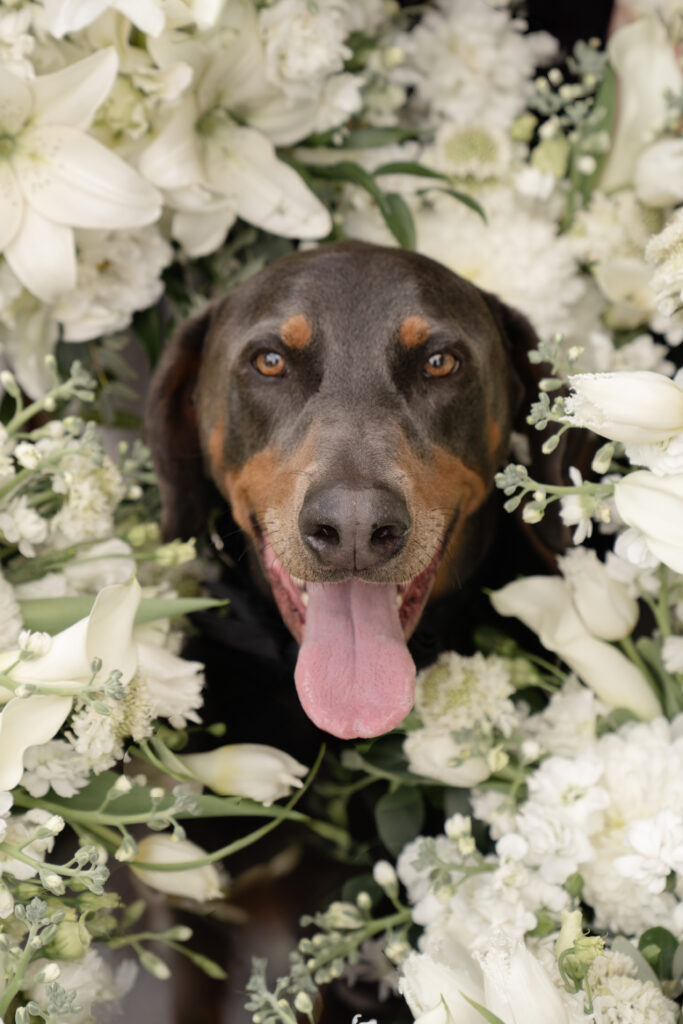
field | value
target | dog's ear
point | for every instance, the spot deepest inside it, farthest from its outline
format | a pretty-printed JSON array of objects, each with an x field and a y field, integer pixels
[
  {"x": 172, "y": 431},
  {"x": 550, "y": 537}
]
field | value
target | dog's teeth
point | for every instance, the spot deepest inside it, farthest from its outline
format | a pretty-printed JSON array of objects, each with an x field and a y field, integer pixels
[
  {"x": 399, "y": 600},
  {"x": 304, "y": 598}
]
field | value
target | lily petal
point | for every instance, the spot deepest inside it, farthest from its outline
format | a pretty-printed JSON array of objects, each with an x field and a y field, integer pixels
[
  {"x": 43, "y": 256},
  {"x": 202, "y": 233},
  {"x": 147, "y": 15},
  {"x": 172, "y": 160},
  {"x": 16, "y": 102},
  {"x": 72, "y": 95},
  {"x": 63, "y": 16},
  {"x": 11, "y": 204},
  {"x": 72, "y": 179},
  {"x": 26, "y": 722},
  {"x": 242, "y": 164},
  {"x": 110, "y": 628}
]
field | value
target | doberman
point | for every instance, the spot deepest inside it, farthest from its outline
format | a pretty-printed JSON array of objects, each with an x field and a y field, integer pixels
[{"x": 352, "y": 404}]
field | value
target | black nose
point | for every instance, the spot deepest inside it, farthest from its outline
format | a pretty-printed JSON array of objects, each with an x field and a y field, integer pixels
[{"x": 354, "y": 529}]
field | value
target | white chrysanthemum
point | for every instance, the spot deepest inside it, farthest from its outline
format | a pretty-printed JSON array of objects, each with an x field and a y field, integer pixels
[
  {"x": 303, "y": 43},
  {"x": 467, "y": 59},
  {"x": 118, "y": 273},
  {"x": 619, "y": 996},
  {"x": 54, "y": 765},
  {"x": 477, "y": 150}
]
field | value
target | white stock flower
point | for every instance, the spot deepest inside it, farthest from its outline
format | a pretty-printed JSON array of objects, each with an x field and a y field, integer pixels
[
  {"x": 253, "y": 770},
  {"x": 544, "y": 604},
  {"x": 634, "y": 406},
  {"x": 199, "y": 883},
  {"x": 20, "y": 524},
  {"x": 654, "y": 506},
  {"x": 105, "y": 634},
  {"x": 643, "y": 57},
  {"x": 568, "y": 724},
  {"x": 11, "y": 622},
  {"x": 605, "y": 605},
  {"x": 54, "y": 765},
  {"x": 55, "y": 177}
]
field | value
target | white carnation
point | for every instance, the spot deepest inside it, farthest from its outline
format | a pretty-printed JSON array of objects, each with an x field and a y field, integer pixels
[
  {"x": 303, "y": 43},
  {"x": 54, "y": 765}
]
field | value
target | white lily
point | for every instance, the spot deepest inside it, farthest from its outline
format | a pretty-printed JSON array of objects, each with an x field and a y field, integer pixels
[
  {"x": 659, "y": 173},
  {"x": 64, "y": 16},
  {"x": 214, "y": 169},
  {"x": 646, "y": 66},
  {"x": 200, "y": 883},
  {"x": 55, "y": 177},
  {"x": 254, "y": 770},
  {"x": 605, "y": 604},
  {"x": 635, "y": 406},
  {"x": 107, "y": 634},
  {"x": 653, "y": 505},
  {"x": 544, "y": 604}
]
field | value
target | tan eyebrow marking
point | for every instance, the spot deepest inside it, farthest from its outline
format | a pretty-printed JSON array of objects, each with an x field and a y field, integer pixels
[
  {"x": 413, "y": 331},
  {"x": 296, "y": 331}
]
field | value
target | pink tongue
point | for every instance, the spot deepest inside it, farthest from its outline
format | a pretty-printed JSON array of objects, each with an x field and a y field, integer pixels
[{"x": 354, "y": 675}]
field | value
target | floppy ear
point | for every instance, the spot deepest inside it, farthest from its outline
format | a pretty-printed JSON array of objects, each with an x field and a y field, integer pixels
[
  {"x": 172, "y": 432},
  {"x": 550, "y": 537}
]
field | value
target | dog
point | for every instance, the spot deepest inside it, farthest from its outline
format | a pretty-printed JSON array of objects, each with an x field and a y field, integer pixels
[{"x": 352, "y": 405}]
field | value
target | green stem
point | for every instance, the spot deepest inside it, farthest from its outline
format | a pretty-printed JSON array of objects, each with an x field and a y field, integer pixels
[
  {"x": 15, "y": 984},
  {"x": 631, "y": 652}
]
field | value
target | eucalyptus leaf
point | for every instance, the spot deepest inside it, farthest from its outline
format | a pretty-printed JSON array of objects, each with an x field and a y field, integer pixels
[
  {"x": 658, "y": 946},
  {"x": 53, "y": 614},
  {"x": 621, "y": 944}
]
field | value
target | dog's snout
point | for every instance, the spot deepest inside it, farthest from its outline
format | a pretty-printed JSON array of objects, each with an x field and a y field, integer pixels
[{"x": 354, "y": 529}]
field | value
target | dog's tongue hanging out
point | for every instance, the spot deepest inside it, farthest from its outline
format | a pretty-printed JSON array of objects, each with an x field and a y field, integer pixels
[{"x": 354, "y": 675}]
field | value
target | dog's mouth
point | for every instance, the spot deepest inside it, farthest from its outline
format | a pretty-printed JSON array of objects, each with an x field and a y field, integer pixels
[{"x": 354, "y": 674}]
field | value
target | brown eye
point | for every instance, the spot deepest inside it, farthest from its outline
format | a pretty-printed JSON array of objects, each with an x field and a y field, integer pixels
[
  {"x": 270, "y": 364},
  {"x": 441, "y": 364}
]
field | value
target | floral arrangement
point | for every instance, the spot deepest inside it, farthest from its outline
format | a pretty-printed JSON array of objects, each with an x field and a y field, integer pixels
[{"x": 151, "y": 152}]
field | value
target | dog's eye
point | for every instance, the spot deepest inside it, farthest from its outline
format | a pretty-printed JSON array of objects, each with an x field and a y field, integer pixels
[
  {"x": 270, "y": 364},
  {"x": 441, "y": 364}
]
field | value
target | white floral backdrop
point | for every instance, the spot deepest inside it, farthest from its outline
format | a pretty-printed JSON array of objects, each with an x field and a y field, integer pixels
[{"x": 152, "y": 153}]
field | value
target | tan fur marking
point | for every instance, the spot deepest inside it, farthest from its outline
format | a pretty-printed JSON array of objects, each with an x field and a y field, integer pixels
[
  {"x": 296, "y": 331},
  {"x": 413, "y": 331},
  {"x": 215, "y": 447},
  {"x": 494, "y": 438}
]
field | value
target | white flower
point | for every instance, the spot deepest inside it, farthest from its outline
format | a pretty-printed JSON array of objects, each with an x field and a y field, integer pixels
[
  {"x": 302, "y": 44},
  {"x": 198, "y": 883},
  {"x": 568, "y": 724},
  {"x": 54, "y": 765},
  {"x": 618, "y": 995},
  {"x": 54, "y": 176},
  {"x": 20, "y": 829},
  {"x": 21, "y": 525},
  {"x": 63, "y": 17},
  {"x": 635, "y": 406},
  {"x": 253, "y": 770},
  {"x": 664, "y": 458},
  {"x": 90, "y": 979},
  {"x": 118, "y": 273},
  {"x": 517, "y": 988},
  {"x": 657, "y": 843},
  {"x": 664, "y": 254},
  {"x": 435, "y": 991},
  {"x": 106, "y": 634},
  {"x": 100, "y": 565},
  {"x": 544, "y": 604},
  {"x": 437, "y": 755},
  {"x": 173, "y": 684},
  {"x": 644, "y": 60},
  {"x": 672, "y": 654},
  {"x": 605, "y": 605},
  {"x": 16, "y": 42},
  {"x": 654, "y": 506},
  {"x": 658, "y": 175},
  {"x": 10, "y": 615}
]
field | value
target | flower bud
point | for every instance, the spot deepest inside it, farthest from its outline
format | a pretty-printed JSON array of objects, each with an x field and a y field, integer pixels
[
  {"x": 252, "y": 770},
  {"x": 654, "y": 505},
  {"x": 634, "y": 406},
  {"x": 385, "y": 876},
  {"x": 605, "y": 605},
  {"x": 198, "y": 883},
  {"x": 71, "y": 940}
]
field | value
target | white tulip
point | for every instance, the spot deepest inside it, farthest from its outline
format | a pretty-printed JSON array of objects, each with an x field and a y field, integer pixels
[
  {"x": 107, "y": 634},
  {"x": 646, "y": 66},
  {"x": 435, "y": 991},
  {"x": 634, "y": 406},
  {"x": 199, "y": 883},
  {"x": 253, "y": 770},
  {"x": 605, "y": 605},
  {"x": 55, "y": 177},
  {"x": 654, "y": 506},
  {"x": 659, "y": 173},
  {"x": 517, "y": 988},
  {"x": 544, "y": 604}
]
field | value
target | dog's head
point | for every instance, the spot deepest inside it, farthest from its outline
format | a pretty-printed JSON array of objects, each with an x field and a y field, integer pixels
[{"x": 352, "y": 404}]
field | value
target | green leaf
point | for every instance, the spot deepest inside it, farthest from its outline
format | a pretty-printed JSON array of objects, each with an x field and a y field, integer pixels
[
  {"x": 486, "y": 1014},
  {"x": 371, "y": 138},
  {"x": 658, "y": 946},
  {"x": 53, "y": 614},
  {"x": 392, "y": 207},
  {"x": 621, "y": 944},
  {"x": 399, "y": 816},
  {"x": 399, "y": 219},
  {"x": 677, "y": 965},
  {"x": 463, "y": 197},
  {"x": 418, "y": 170}
]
